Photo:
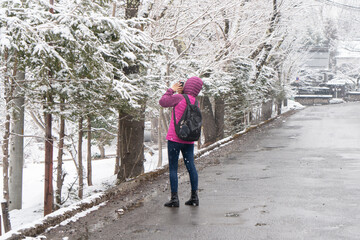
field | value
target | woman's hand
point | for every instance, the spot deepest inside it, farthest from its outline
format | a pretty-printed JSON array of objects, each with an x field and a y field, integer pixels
[{"x": 177, "y": 88}]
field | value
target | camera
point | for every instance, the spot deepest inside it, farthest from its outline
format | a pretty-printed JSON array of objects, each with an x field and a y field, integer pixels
[{"x": 182, "y": 84}]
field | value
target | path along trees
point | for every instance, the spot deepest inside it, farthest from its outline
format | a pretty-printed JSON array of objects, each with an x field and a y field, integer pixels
[{"x": 86, "y": 61}]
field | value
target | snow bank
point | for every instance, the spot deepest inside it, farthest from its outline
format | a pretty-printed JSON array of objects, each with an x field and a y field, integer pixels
[
  {"x": 292, "y": 105},
  {"x": 336, "y": 101}
]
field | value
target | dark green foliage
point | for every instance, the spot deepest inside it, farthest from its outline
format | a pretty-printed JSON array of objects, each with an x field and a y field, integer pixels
[{"x": 236, "y": 102}]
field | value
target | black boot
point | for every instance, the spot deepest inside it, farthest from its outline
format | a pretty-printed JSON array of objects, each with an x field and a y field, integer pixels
[
  {"x": 174, "y": 201},
  {"x": 194, "y": 199}
]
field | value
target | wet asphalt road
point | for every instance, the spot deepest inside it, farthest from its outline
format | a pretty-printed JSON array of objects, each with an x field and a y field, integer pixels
[{"x": 297, "y": 178}]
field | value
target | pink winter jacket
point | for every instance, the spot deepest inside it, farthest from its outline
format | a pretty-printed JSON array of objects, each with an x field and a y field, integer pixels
[{"x": 192, "y": 88}]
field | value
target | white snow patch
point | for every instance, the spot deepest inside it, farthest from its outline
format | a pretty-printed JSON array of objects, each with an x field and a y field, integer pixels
[
  {"x": 82, "y": 214},
  {"x": 35, "y": 238},
  {"x": 354, "y": 156},
  {"x": 130, "y": 55},
  {"x": 292, "y": 105},
  {"x": 5, "y": 42},
  {"x": 314, "y": 96},
  {"x": 336, "y": 100}
]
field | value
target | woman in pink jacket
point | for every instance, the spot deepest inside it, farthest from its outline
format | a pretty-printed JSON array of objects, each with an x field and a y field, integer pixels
[{"x": 192, "y": 88}]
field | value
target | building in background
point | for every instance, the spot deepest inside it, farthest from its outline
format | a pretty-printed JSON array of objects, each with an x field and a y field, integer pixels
[
  {"x": 318, "y": 59},
  {"x": 348, "y": 61}
]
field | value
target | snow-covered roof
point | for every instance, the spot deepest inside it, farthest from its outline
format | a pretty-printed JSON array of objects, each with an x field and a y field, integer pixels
[
  {"x": 318, "y": 60},
  {"x": 313, "y": 96},
  {"x": 349, "y": 49},
  {"x": 340, "y": 81}
]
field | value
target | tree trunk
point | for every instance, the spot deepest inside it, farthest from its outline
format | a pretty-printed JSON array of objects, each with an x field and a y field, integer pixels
[
  {"x": 8, "y": 88},
  {"x": 159, "y": 137},
  {"x": 132, "y": 146},
  {"x": 118, "y": 146},
  {"x": 48, "y": 189},
  {"x": 285, "y": 102},
  {"x": 132, "y": 8},
  {"x": 80, "y": 164},
  {"x": 102, "y": 151},
  {"x": 131, "y": 128},
  {"x": 154, "y": 129},
  {"x": 279, "y": 105},
  {"x": 60, "y": 177},
  {"x": 266, "y": 110},
  {"x": 89, "y": 169},
  {"x": 6, "y": 216},
  {"x": 8, "y": 93},
  {"x": 17, "y": 149},
  {"x": 264, "y": 49},
  {"x": 5, "y": 148},
  {"x": 209, "y": 124},
  {"x": 219, "y": 117},
  {"x": 164, "y": 122},
  {"x": 48, "y": 194}
]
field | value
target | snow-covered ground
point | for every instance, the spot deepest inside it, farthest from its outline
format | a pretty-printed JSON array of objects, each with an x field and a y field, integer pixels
[
  {"x": 103, "y": 178},
  {"x": 33, "y": 185}
]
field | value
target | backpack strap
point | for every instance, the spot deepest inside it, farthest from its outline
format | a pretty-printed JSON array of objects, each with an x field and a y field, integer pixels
[
  {"x": 174, "y": 114},
  {"x": 188, "y": 100}
]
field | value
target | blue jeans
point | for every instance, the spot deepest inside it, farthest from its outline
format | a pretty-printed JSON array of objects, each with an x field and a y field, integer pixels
[{"x": 187, "y": 151}]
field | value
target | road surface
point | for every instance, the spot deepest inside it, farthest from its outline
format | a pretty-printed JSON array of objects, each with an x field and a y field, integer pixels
[{"x": 296, "y": 178}]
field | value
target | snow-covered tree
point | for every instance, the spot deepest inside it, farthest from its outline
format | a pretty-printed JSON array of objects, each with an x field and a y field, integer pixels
[
  {"x": 75, "y": 57},
  {"x": 211, "y": 34}
]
